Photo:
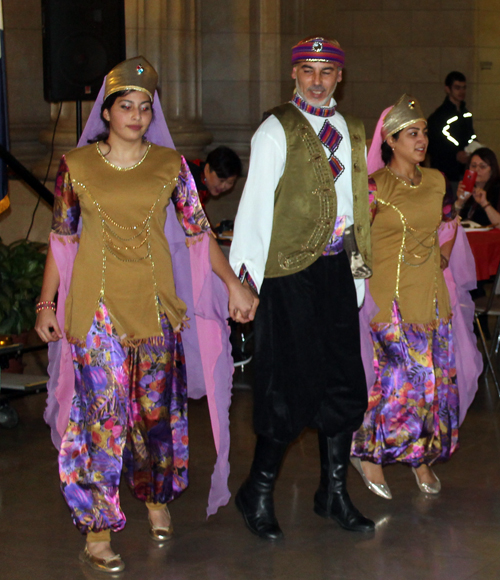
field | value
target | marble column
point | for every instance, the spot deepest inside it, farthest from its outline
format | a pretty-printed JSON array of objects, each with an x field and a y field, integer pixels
[
  {"x": 180, "y": 75},
  {"x": 167, "y": 33},
  {"x": 265, "y": 48}
]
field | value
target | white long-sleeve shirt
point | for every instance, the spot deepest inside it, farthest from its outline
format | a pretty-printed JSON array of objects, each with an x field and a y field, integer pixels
[{"x": 254, "y": 220}]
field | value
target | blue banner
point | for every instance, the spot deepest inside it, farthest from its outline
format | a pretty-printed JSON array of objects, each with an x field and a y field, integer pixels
[{"x": 4, "y": 120}]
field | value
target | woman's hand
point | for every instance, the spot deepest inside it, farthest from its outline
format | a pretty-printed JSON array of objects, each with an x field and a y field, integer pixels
[
  {"x": 243, "y": 302},
  {"x": 47, "y": 326},
  {"x": 480, "y": 196},
  {"x": 462, "y": 196},
  {"x": 444, "y": 262}
]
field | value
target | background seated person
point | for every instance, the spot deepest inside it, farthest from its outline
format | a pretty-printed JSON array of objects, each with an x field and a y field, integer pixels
[
  {"x": 482, "y": 205},
  {"x": 217, "y": 174}
]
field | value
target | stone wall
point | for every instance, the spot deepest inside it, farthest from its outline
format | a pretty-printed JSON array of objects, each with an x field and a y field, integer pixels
[
  {"x": 224, "y": 62},
  {"x": 486, "y": 85}
]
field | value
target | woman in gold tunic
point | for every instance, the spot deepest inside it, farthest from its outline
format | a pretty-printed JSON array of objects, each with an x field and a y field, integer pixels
[
  {"x": 124, "y": 317},
  {"x": 413, "y": 410}
]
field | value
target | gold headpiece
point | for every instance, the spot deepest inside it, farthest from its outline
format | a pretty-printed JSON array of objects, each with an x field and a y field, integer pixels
[
  {"x": 134, "y": 74},
  {"x": 405, "y": 112}
]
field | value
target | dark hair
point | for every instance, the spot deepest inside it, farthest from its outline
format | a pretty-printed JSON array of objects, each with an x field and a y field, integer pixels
[
  {"x": 225, "y": 162},
  {"x": 489, "y": 157},
  {"x": 109, "y": 101},
  {"x": 454, "y": 76},
  {"x": 387, "y": 152}
]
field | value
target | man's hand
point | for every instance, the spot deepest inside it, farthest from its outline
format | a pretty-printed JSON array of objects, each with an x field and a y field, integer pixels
[{"x": 463, "y": 157}]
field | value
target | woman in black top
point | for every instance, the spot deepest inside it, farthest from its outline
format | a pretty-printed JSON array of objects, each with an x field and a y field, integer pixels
[{"x": 482, "y": 205}]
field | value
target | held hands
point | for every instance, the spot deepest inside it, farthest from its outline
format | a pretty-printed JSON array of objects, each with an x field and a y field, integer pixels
[
  {"x": 47, "y": 326},
  {"x": 243, "y": 302}
]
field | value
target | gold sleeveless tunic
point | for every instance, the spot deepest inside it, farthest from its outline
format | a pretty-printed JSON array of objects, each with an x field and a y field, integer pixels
[
  {"x": 123, "y": 258},
  {"x": 405, "y": 248}
]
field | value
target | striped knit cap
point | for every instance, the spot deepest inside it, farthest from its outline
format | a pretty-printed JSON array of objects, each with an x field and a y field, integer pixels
[{"x": 318, "y": 49}]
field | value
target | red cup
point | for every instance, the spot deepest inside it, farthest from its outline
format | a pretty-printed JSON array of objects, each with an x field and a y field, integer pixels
[{"x": 469, "y": 180}]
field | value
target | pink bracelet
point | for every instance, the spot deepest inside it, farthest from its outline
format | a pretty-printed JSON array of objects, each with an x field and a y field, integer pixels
[{"x": 46, "y": 305}]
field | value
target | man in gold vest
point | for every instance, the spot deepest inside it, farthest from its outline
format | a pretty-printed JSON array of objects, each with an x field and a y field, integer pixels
[{"x": 301, "y": 239}]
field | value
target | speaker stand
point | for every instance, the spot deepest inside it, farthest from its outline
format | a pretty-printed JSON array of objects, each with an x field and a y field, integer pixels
[{"x": 78, "y": 120}]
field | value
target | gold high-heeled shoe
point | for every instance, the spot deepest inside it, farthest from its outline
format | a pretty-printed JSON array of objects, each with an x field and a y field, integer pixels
[
  {"x": 381, "y": 489},
  {"x": 110, "y": 565},
  {"x": 160, "y": 533},
  {"x": 427, "y": 487}
]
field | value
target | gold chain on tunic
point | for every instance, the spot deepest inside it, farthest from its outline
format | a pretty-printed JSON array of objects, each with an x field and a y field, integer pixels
[
  {"x": 142, "y": 228},
  {"x": 404, "y": 180},
  {"x": 118, "y": 168},
  {"x": 406, "y": 254}
]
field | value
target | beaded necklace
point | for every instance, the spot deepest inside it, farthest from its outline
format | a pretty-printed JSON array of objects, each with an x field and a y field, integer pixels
[
  {"x": 122, "y": 168},
  {"x": 404, "y": 180}
]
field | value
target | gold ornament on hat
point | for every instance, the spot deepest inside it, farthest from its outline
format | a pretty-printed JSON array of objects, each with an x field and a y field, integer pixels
[
  {"x": 405, "y": 112},
  {"x": 134, "y": 74}
]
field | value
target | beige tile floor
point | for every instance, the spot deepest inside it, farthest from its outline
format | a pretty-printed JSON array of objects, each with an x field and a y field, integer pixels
[{"x": 453, "y": 536}]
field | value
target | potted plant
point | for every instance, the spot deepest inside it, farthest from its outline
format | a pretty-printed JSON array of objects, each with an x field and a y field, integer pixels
[{"x": 21, "y": 273}]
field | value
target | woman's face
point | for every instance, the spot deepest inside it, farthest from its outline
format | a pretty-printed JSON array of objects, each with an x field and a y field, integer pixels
[
  {"x": 130, "y": 116},
  {"x": 482, "y": 169},
  {"x": 411, "y": 144}
]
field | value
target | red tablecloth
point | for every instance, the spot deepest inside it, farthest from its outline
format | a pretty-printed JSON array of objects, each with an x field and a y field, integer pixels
[{"x": 485, "y": 247}]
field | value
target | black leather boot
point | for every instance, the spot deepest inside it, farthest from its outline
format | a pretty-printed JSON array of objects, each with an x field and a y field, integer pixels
[
  {"x": 332, "y": 500},
  {"x": 255, "y": 497}
]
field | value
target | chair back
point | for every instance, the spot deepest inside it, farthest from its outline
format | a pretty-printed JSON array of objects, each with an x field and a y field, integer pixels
[
  {"x": 496, "y": 283},
  {"x": 495, "y": 291}
]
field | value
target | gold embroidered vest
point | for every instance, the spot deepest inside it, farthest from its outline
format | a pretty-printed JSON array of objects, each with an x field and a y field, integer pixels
[{"x": 305, "y": 202}]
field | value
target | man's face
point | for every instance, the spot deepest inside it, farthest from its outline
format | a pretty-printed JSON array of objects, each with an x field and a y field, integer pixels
[
  {"x": 456, "y": 93},
  {"x": 316, "y": 81},
  {"x": 215, "y": 184}
]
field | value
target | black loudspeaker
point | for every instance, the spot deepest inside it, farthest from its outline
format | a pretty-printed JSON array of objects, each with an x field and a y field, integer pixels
[{"x": 82, "y": 41}]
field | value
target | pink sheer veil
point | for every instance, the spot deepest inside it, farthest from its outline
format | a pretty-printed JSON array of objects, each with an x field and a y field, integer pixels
[{"x": 374, "y": 159}]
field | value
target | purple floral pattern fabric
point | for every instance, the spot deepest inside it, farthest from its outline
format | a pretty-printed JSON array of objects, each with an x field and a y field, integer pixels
[
  {"x": 413, "y": 408},
  {"x": 129, "y": 411},
  {"x": 66, "y": 211},
  {"x": 336, "y": 243},
  {"x": 190, "y": 212}
]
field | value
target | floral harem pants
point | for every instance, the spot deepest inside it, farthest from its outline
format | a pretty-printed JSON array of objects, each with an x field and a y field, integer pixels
[{"x": 129, "y": 412}]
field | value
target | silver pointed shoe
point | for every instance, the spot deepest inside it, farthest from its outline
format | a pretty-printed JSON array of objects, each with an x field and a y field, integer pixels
[
  {"x": 111, "y": 565},
  {"x": 433, "y": 488},
  {"x": 381, "y": 489},
  {"x": 161, "y": 533}
]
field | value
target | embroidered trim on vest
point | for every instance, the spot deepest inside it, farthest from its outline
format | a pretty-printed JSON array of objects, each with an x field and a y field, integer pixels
[
  {"x": 331, "y": 139},
  {"x": 326, "y": 219}
]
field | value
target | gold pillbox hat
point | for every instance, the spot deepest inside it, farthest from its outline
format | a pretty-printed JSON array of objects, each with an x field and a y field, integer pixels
[
  {"x": 405, "y": 112},
  {"x": 134, "y": 74}
]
